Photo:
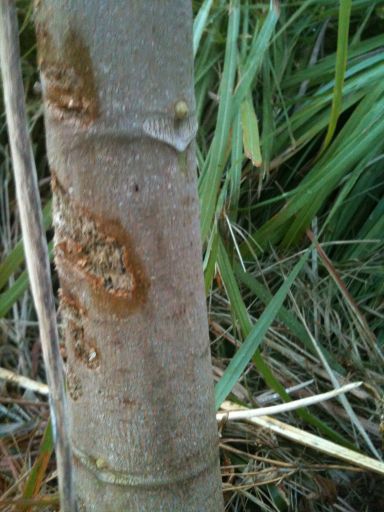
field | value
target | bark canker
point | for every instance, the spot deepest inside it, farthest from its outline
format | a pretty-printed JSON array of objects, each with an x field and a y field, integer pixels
[
  {"x": 102, "y": 253},
  {"x": 70, "y": 87}
]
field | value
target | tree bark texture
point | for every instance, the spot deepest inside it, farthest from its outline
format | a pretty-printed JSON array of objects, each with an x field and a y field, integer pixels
[{"x": 120, "y": 122}]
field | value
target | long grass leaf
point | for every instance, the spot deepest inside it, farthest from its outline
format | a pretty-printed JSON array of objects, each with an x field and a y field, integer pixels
[
  {"x": 241, "y": 314},
  {"x": 284, "y": 315},
  {"x": 10, "y": 296},
  {"x": 256, "y": 56},
  {"x": 236, "y": 167},
  {"x": 36, "y": 476},
  {"x": 251, "y": 138},
  {"x": 209, "y": 187},
  {"x": 341, "y": 65},
  {"x": 245, "y": 353},
  {"x": 321, "y": 184},
  {"x": 16, "y": 257},
  {"x": 199, "y": 24}
]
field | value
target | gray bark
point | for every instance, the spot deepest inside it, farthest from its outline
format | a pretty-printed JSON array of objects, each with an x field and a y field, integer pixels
[{"x": 120, "y": 121}]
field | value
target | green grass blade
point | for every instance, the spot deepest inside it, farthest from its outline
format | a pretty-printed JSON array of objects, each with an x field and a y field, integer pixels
[
  {"x": 267, "y": 120},
  {"x": 285, "y": 316},
  {"x": 254, "y": 339},
  {"x": 236, "y": 167},
  {"x": 256, "y": 56},
  {"x": 233, "y": 292},
  {"x": 341, "y": 65},
  {"x": 240, "y": 312},
  {"x": 297, "y": 13},
  {"x": 16, "y": 257},
  {"x": 36, "y": 476},
  {"x": 210, "y": 185},
  {"x": 320, "y": 183},
  {"x": 10, "y": 296},
  {"x": 251, "y": 138},
  {"x": 211, "y": 255},
  {"x": 326, "y": 66},
  {"x": 200, "y": 23}
]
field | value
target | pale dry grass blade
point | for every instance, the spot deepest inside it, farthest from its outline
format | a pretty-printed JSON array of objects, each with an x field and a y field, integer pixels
[
  {"x": 315, "y": 442},
  {"x": 280, "y": 408},
  {"x": 24, "y": 382}
]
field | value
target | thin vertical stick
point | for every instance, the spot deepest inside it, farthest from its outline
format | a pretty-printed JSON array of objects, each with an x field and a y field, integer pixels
[{"x": 35, "y": 244}]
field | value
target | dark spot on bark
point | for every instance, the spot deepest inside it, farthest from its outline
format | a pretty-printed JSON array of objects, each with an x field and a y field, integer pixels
[
  {"x": 69, "y": 83},
  {"x": 188, "y": 201},
  {"x": 127, "y": 402},
  {"x": 102, "y": 253},
  {"x": 136, "y": 187}
]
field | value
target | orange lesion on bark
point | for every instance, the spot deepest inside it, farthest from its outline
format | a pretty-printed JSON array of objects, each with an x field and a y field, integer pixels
[
  {"x": 102, "y": 252},
  {"x": 69, "y": 82}
]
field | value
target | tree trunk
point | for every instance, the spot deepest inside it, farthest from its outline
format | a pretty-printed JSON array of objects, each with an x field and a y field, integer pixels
[{"x": 120, "y": 121}]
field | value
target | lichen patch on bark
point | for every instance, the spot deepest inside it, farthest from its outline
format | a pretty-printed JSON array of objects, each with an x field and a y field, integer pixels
[
  {"x": 69, "y": 81},
  {"x": 101, "y": 251}
]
